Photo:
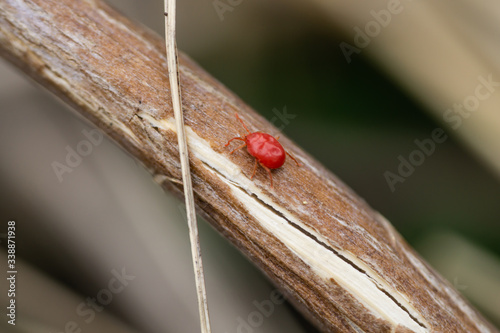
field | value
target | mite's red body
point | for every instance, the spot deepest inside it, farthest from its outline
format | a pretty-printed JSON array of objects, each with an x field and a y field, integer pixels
[{"x": 266, "y": 149}]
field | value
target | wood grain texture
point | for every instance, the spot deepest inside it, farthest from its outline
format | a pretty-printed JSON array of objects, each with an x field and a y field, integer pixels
[{"x": 341, "y": 263}]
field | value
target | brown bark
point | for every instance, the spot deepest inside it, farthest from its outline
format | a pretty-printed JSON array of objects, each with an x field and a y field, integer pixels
[{"x": 341, "y": 263}]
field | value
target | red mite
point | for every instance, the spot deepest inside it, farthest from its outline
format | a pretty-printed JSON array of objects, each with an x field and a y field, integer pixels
[{"x": 268, "y": 152}]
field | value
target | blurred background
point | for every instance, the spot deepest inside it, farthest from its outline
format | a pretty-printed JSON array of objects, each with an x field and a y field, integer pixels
[{"x": 358, "y": 82}]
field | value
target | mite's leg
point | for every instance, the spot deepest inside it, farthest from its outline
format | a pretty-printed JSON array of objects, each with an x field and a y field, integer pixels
[
  {"x": 254, "y": 169},
  {"x": 241, "y": 121},
  {"x": 269, "y": 173},
  {"x": 293, "y": 158}
]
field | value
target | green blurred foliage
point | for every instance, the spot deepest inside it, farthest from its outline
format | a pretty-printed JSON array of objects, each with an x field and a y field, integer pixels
[{"x": 357, "y": 121}]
